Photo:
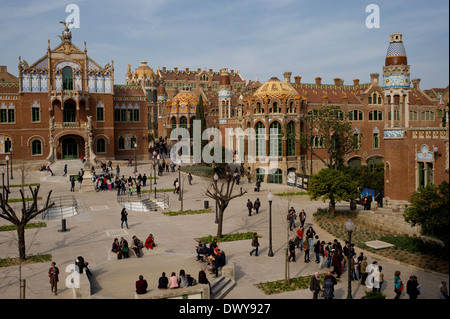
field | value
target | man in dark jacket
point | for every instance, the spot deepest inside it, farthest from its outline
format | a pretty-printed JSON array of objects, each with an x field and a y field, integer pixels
[
  {"x": 328, "y": 286},
  {"x": 314, "y": 285},
  {"x": 141, "y": 285},
  {"x": 257, "y": 205},
  {"x": 250, "y": 207}
]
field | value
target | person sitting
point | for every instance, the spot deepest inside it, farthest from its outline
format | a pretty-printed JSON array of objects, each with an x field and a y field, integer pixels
[
  {"x": 116, "y": 248},
  {"x": 150, "y": 242},
  {"x": 141, "y": 285},
  {"x": 219, "y": 261},
  {"x": 183, "y": 280},
  {"x": 173, "y": 281},
  {"x": 163, "y": 281},
  {"x": 124, "y": 247},
  {"x": 201, "y": 251},
  {"x": 136, "y": 246}
]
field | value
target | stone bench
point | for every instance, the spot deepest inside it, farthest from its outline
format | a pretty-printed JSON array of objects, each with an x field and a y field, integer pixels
[
  {"x": 199, "y": 291},
  {"x": 131, "y": 254}
]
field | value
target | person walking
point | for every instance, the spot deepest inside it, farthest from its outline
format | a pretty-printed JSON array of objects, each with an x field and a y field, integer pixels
[
  {"x": 255, "y": 245},
  {"x": 258, "y": 185},
  {"x": 413, "y": 287},
  {"x": 398, "y": 285},
  {"x": 364, "y": 273},
  {"x": 291, "y": 250},
  {"x": 314, "y": 285},
  {"x": 443, "y": 290},
  {"x": 189, "y": 178},
  {"x": 65, "y": 170},
  {"x": 72, "y": 184},
  {"x": 328, "y": 286},
  {"x": 53, "y": 274},
  {"x": 249, "y": 207},
  {"x": 257, "y": 205},
  {"x": 302, "y": 217},
  {"x": 124, "y": 217},
  {"x": 306, "y": 249}
]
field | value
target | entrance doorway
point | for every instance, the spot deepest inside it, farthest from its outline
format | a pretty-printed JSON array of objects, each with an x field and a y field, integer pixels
[{"x": 69, "y": 148}]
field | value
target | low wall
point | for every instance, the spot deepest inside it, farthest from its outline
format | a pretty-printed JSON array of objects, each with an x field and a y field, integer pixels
[
  {"x": 387, "y": 220},
  {"x": 199, "y": 291}
]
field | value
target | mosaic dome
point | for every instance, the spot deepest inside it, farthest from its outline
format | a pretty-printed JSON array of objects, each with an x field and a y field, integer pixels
[
  {"x": 143, "y": 71},
  {"x": 396, "y": 53},
  {"x": 275, "y": 88},
  {"x": 185, "y": 99}
]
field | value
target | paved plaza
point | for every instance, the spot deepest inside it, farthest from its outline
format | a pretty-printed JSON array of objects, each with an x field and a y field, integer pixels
[{"x": 89, "y": 235}]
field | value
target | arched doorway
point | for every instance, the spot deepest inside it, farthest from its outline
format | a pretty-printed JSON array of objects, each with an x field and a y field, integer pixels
[{"x": 69, "y": 148}]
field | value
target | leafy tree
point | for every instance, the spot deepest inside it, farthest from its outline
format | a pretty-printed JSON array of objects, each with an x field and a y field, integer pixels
[
  {"x": 332, "y": 126},
  {"x": 429, "y": 208},
  {"x": 333, "y": 185}
]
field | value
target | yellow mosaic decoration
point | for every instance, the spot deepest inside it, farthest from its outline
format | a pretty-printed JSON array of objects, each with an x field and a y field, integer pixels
[{"x": 275, "y": 89}]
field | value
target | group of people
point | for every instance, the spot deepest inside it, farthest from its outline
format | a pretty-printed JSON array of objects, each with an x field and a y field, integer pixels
[
  {"x": 253, "y": 207},
  {"x": 183, "y": 280},
  {"x": 121, "y": 248},
  {"x": 212, "y": 256}
]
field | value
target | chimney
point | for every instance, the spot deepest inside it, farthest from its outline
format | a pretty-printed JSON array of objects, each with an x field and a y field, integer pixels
[
  {"x": 187, "y": 69},
  {"x": 198, "y": 70},
  {"x": 3, "y": 68},
  {"x": 298, "y": 79},
  {"x": 374, "y": 79},
  {"x": 356, "y": 82},
  {"x": 210, "y": 70},
  {"x": 416, "y": 83},
  {"x": 164, "y": 68},
  {"x": 232, "y": 71},
  {"x": 337, "y": 81},
  {"x": 287, "y": 77},
  {"x": 175, "y": 69},
  {"x": 318, "y": 80}
]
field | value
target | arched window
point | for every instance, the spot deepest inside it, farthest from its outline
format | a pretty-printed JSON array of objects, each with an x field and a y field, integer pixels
[
  {"x": 260, "y": 139},
  {"x": 275, "y": 139},
  {"x": 101, "y": 145},
  {"x": 427, "y": 116},
  {"x": 375, "y": 115},
  {"x": 67, "y": 74},
  {"x": 276, "y": 176},
  {"x": 290, "y": 140},
  {"x": 355, "y": 115},
  {"x": 36, "y": 147},
  {"x": 183, "y": 124},
  {"x": 413, "y": 115}
]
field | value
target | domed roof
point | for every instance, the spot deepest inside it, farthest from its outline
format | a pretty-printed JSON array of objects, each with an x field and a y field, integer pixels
[
  {"x": 143, "y": 71},
  {"x": 185, "y": 99},
  {"x": 396, "y": 53},
  {"x": 275, "y": 88}
]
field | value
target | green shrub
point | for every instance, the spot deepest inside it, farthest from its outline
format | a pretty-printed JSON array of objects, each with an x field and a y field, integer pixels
[
  {"x": 227, "y": 237},
  {"x": 375, "y": 295}
]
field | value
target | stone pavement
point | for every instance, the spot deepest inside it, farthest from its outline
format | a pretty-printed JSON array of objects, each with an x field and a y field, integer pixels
[{"x": 88, "y": 236}]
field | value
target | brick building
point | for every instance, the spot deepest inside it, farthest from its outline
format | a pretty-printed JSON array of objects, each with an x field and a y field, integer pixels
[{"x": 65, "y": 105}]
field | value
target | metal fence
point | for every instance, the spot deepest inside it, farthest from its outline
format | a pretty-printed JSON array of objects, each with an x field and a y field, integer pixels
[
  {"x": 65, "y": 206},
  {"x": 144, "y": 202}
]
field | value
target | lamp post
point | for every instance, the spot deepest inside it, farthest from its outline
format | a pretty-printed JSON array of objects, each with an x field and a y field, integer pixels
[
  {"x": 216, "y": 178},
  {"x": 155, "y": 163},
  {"x": 11, "y": 151},
  {"x": 135, "y": 157},
  {"x": 179, "y": 178},
  {"x": 7, "y": 172},
  {"x": 270, "y": 198},
  {"x": 3, "y": 181},
  {"x": 349, "y": 226},
  {"x": 311, "y": 147}
]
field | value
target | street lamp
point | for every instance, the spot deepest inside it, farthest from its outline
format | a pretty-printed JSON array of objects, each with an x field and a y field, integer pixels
[
  {"x": 179, "y": 178},
  {"x": 3, "y": 181},
  {"x": 135, "y": 160},
  {"x": 216, "y": 178},
  {"x": 11, "y": 151},
  {"x": 270, "y": 198},
  {"x": 7, "y": 171},
  {"x": 349, "y": 226}
]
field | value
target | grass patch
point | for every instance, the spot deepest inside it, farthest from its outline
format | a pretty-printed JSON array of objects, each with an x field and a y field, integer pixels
[
  {"x": 199, "y": 170},
  {"x": 227, "y": 237},
  {"x": 28, "y": 226},
  {"x": 297, "y": 283},
  {"x": 189, "y": 212},
  {"x": 31, "y": 259},
  {"x": 415, "y": 245},
  {"x": 161, "y": 190},
  {"x": 26, "y": 185},
  {"x": 17, "y": 200},
  {"x": 291, "y": 194}
]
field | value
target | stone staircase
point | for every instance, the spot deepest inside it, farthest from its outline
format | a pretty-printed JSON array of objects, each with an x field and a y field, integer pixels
[
  {"x": 73, "y": 167},
  {"x": 222, "y": 285}
]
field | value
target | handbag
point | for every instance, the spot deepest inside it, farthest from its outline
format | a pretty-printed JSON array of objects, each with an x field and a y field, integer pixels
[{"x": 125, "y": 249}]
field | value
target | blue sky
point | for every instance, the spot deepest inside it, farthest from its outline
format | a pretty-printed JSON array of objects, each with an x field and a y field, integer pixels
[{"x": 261, "y": 38}]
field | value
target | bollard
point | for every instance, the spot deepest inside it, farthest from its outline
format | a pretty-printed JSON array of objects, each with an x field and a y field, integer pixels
[
  {"x": 206, "y": 204},
  {"x": 63, "y": 225}
]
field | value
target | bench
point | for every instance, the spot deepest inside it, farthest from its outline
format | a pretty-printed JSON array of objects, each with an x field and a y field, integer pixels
[{"x": 131, "y": 254}]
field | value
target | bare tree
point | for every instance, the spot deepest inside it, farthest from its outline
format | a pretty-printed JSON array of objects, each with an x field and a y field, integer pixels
[
  {"x": 223, "y": 194},
  {"x": 28, "y": 212}
]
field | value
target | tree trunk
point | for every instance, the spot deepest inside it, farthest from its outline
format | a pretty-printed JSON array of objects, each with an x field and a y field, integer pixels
[
  {"x": 332, "y": 207},
  {"x": 21, "y": 241},
  {"x": 219, "y": 225}
]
